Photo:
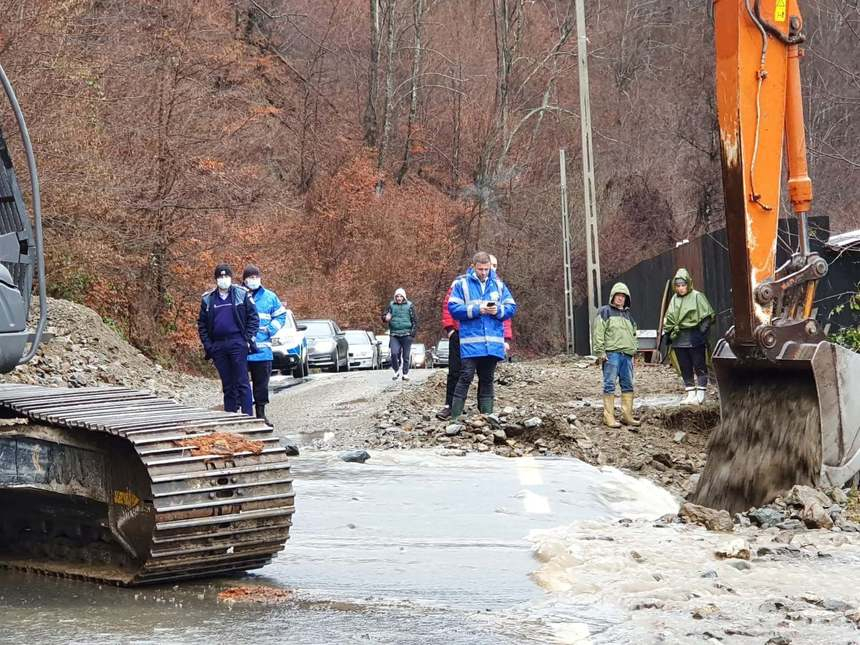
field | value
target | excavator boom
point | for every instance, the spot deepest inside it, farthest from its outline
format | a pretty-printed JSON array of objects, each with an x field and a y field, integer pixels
[{"x": 786, "y": 416}]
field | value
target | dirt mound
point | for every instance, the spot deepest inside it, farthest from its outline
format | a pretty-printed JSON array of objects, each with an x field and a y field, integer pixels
[
  {"x": 552, "y": 407},
  {"x": 81, "y": 351},
  {"x": 255, "y": 594},
  {"x": 221, "y": 443}
]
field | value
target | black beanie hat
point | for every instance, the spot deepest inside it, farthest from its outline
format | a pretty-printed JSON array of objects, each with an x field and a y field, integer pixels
[
  {"x": 249, "y": 271},
  {"x": 223, "y": 269}
]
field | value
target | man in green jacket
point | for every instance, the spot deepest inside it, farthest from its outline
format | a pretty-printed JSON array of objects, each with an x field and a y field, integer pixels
[
  {"x": 614, "y": 342},
  {"x": 689, "y": 316},
  {"x": 402, "y": 327}
]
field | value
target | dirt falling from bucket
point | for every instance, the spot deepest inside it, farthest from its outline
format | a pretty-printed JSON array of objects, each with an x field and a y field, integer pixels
[{"x": 768, "y": 440}]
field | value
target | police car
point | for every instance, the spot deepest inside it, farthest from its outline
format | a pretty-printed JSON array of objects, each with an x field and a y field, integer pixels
[{"x": 290, "y": 348}]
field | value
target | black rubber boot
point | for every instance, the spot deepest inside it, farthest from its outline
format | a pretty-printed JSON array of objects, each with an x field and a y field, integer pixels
[{"x": 261, "y": 413}]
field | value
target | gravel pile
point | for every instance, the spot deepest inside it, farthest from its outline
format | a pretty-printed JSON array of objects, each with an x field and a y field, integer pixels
[
  {"x": 82, "y": 351},
  {"x": 552, "y": 407}
]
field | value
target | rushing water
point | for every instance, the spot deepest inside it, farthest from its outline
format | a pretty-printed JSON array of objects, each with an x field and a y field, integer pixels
[{"x": 410, "y": 547}]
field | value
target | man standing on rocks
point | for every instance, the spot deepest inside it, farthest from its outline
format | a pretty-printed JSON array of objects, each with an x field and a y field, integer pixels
[
  {"x": 402, "y": 327},
  {"x": 227, "y": 325},
  {"x": 481, "y": 303},
  {"x": 273, "y": 315},
  {"x": 452, "y": 329},
  {"x": 614, "y": 342},
  {"x": 689, "y": 316}
]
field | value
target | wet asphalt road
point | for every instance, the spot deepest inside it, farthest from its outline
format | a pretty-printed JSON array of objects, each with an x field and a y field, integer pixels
[{"x": 306, "y": 409}]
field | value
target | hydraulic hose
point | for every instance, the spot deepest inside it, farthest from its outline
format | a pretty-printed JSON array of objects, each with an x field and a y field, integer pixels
[{"x": 37, "y": 215}]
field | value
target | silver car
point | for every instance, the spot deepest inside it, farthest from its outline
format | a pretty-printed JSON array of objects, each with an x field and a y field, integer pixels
[{"x": 363, "y": 349}]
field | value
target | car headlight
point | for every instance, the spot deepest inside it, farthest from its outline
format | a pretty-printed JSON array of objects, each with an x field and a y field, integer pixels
[{"x": 324, "y": 345}]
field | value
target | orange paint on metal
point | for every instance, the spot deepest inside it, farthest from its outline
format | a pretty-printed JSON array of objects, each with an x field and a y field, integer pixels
[{"x": 752, "y": 119}]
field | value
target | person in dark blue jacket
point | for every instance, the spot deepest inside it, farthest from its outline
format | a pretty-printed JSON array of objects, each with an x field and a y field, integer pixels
[
  {"x": 272, "y": 315},
  {"x": 227, "y": 325},
  {"x": 481, "y": 302}
]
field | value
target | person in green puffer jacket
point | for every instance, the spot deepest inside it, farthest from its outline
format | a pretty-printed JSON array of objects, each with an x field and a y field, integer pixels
[
  {"x": 689, "y": 316},
  {"x": 614, "y": 343},
  {"x": 402, "y": 327}
]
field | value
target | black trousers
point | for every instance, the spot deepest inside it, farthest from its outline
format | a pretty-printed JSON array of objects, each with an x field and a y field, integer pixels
[
  {"x": 455, "y": 365},
  {"x": 485, "y": 366},
  {"x": 260, "y": 373},
  {"x": 692, "y": 361}
]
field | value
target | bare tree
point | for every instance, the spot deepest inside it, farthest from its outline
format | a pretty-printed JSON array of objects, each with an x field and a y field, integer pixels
[
  {"x": 418, "y": 7},
  {"x": 369, "y": 120}
]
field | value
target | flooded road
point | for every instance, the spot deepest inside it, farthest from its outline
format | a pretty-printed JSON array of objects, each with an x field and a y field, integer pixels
[{"x": 410, "y": 547}]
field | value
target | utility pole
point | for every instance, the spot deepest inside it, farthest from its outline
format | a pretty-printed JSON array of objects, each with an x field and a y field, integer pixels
[
  {"x": 565, "y": 243},
  {"x": 591, "y": 238}
]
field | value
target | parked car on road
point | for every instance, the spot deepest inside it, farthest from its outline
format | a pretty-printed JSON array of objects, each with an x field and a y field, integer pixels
[
  {"x": 327, "y": 346},
  {"x": 363, "y": 349},
  {"x": 418, "y": 356},
  {"x": 290, "y": 348},
  {"x": 385, "y": 349},
  {"x": 439, "y": 354}
]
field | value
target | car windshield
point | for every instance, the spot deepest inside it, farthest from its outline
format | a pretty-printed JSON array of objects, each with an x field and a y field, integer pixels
[
  {"x": 418, "y": 347},
  {"x": 357, "y": 337},
  {"x": 318, "y": 327},
  {"x": 443, "y": 344}
]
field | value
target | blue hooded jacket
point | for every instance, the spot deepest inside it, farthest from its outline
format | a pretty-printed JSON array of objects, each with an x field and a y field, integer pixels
[
  {"x": 481, "y": 334},
  {"x": 272, "y": 315}
]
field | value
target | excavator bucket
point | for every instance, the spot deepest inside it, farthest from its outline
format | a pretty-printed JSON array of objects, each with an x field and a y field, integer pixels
[{"x": 795, "y": 420}]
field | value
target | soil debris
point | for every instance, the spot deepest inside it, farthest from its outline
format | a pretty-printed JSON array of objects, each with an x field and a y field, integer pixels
[
  {"x": 220, "y": 443},
  {"x": 552, "y": 407},
  {"x": 256, "y": 594}
]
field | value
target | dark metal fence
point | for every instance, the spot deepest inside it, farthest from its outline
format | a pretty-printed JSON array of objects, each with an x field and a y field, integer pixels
[{"x": 707, "y": 260}]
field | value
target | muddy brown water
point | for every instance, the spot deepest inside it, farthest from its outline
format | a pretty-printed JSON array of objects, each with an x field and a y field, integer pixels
[
  {"x": 768, "y": 440},
  {"x": 410, "y": 547}
]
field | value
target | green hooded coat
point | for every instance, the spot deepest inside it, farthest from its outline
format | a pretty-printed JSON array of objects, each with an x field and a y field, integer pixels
[
  {"x": 614, "y": 329},
  {"x": 685, "y": 314}
]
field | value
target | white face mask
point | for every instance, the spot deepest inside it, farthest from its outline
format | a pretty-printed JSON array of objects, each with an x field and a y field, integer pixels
[
  {"x": 224, "y": 282},
  {"x": 253, "y": 283}
]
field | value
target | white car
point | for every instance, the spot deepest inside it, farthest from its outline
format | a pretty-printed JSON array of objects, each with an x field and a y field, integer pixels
[
  {"x": 290, "y": 348},
  {"x": 363, "y": 349}
]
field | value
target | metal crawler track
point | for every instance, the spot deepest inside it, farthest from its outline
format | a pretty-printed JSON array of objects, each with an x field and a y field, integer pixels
[{"x": 163, "y": 513}]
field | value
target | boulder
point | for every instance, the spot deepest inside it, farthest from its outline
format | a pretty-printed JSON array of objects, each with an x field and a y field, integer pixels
[
  {"x": 355, "y": 456},
  {"x": 533, "y": 422},
  {"x": 735, "y": 549},
  {"x": 766, "y": 517},
  {"x": 710, "y": 518},
  {"x": 453, "y": 429}
]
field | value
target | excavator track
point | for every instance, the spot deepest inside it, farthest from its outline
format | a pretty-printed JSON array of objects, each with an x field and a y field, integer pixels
[{"x": 120, "y": 486}]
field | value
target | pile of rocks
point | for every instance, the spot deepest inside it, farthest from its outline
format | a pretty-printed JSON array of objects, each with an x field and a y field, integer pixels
[
  {"x": 80, "y": 350},
  {"x": 801, "y": 509},
  {"x": 552, "y": 407}
]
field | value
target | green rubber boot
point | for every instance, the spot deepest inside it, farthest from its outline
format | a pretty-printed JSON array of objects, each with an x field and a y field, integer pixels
[
  {"x": 485, "y": 406},
  {"x": 457, "y": 406}
]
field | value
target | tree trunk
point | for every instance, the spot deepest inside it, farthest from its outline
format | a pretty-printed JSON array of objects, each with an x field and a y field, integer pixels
[
  {"x": 369, "y": 120},
  {"x": 389, "y": 94},
  {"x": 418, "y": 23}
]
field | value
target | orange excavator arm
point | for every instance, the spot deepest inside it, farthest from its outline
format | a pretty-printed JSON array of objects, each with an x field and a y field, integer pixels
[
  {"x": 788, "y": 405},
  {"x": 760, "y": 107}
]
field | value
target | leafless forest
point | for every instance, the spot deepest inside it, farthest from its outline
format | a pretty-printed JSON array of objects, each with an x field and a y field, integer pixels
[{"x": 352, "y": 146}]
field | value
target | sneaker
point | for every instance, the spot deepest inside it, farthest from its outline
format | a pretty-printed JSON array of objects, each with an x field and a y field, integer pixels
[
  {"x": 405, "y": 378},
  {"x": 396, "y": 376},
  {"x": 444, "y": 414},
  {"x": 700, "y": 395}
]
